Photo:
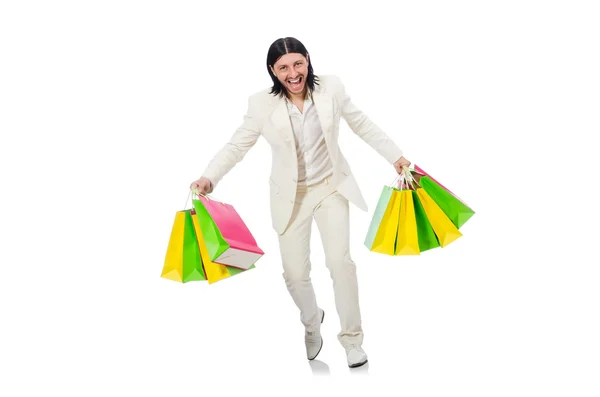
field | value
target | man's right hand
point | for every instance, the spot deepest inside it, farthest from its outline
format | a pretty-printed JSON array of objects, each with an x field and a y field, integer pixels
[{"x": 203, "y": 185}]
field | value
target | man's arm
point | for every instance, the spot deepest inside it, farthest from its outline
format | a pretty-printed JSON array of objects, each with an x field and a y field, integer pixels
[
  {"x": 234, "y": 151},
  {"x": 362, "y": 126}
]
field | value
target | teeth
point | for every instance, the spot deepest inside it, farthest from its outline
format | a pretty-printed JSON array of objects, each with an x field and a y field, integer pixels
[{"x": 294, "y": 81}]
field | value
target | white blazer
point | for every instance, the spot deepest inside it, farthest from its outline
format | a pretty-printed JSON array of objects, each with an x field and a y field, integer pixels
[{"x": 267, "y": 115}]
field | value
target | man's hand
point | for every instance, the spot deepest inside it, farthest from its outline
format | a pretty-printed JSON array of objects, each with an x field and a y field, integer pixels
[
  {"x": 402, "y": 162},
  {"x": 204, "y": 185}
]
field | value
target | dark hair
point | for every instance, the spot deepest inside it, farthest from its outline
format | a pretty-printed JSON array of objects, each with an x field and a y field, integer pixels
[{"x": 284, "y": 46}]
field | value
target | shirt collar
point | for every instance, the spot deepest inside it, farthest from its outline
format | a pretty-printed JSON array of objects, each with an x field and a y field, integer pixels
[{"x": 307, "y": 100}]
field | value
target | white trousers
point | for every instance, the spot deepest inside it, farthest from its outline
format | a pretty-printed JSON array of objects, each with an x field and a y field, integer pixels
[{"x": 330, "y": 210}]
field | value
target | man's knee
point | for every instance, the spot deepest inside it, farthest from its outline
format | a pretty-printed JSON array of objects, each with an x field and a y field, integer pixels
[
  {"x": 340, "y": 264},
  {"x": 296, "y": 270}
]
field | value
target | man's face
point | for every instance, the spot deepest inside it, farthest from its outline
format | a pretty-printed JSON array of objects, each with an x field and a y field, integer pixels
[{"x": 291, "y": 70}]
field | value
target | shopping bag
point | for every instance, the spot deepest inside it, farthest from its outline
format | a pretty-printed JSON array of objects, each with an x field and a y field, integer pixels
[
  {"x": 455, "y": 208},
  {"x": 228, "y": 239},
  {"x": 407, "y": 241},
  {"x": 173, "y": 266},
  {"x": 214, "y": 271},
  {"x": 382, "y": 204},
  {"x": 427, "y": 238},
  {"x": 458, "y": 212},
  {"x": 385, "y": 238},
  {"x": 182, "y": 261},
  {"x": 443, "y": 227}
]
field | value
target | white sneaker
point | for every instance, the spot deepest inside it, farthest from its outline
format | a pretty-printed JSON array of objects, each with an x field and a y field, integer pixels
[
  {"x": 314, "y": 341},
  {"x": 356, "y": 356}
]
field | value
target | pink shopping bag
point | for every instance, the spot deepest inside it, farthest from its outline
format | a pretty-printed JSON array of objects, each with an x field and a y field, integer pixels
[{"x": 239, "y": 248}]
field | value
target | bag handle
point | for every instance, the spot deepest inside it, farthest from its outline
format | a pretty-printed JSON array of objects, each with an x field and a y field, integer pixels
[
  {"x": 407, "y": 174},
  {"x": 197, "y": 193},
  {"x": 188, "y": 199},
  {"x": 406, "y": 179}
]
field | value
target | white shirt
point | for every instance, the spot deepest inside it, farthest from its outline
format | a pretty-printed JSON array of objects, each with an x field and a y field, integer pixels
[{"x": 314, "y": 164}]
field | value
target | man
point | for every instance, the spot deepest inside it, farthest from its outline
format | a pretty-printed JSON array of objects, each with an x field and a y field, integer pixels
[{"x": 299, "y": 117}]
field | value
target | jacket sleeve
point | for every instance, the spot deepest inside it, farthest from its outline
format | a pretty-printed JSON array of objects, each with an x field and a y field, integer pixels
[
  {"x": 242, "y": 140},
  {"x": 362, "y": 126}
]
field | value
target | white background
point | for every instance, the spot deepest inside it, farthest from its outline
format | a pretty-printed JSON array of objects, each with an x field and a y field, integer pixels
[{"x": 110, "y": 109}]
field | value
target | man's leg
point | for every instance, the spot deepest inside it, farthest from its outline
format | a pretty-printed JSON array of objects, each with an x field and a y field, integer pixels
[
  {"x": 333, "y": 221},
  {"x": 294, "y": 245},
  {"x": 332, "y": 217}
]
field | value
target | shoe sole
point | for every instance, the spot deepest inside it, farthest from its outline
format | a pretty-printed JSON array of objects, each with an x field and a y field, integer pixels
[
  {"x": 322, "y": 318},
  {"x": 359, "y": 364}
]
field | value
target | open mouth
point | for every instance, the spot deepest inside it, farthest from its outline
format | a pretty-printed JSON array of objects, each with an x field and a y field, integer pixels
[{"x": 296, "y": 84}]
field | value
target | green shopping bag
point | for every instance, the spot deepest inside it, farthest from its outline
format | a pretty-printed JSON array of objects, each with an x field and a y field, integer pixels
[
  {"x": 458, "y": 212},
  {"x": 192, "y": 262},
  {"x": 425, "y": 233},
  {"x": 215, "y": 243}
]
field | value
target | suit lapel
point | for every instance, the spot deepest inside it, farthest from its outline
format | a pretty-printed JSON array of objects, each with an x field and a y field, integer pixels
[
  {"x": 281, "y": 120},
  {"x": 324, "y": 106}
]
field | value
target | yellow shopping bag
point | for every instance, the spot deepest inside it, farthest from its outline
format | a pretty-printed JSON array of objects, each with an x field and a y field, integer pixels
[
  {"x": 173, "y": 266},
  {"x": 385, "y": 239},
  {"x": 443, "y": 227},
  {"x": 407, "y": 241},
  {"x": 182, "y": 261}
]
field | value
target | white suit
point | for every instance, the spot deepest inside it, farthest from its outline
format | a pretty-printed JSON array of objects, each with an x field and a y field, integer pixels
[{"x": 294, "y": 207}]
